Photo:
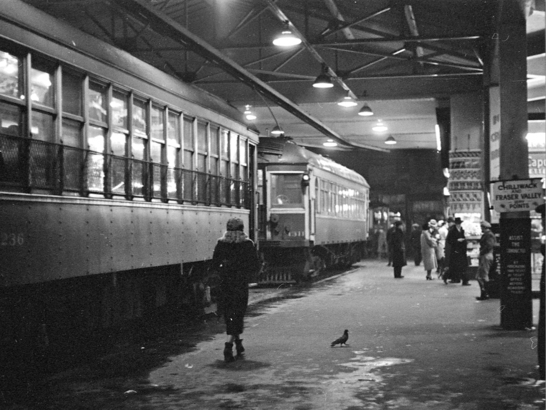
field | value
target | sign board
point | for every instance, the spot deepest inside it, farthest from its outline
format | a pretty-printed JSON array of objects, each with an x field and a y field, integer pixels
[
  {"x": 516, "y": 296},
  {"x": 517, "y": 195},
  {"x": 495, "y": 132}
]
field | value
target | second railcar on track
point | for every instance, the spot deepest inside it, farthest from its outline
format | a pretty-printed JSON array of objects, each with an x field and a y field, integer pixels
[{"x": 313, "y": 212}]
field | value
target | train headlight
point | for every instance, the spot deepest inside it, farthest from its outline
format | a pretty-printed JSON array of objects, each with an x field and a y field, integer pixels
[{"x": 305, "y": 178}]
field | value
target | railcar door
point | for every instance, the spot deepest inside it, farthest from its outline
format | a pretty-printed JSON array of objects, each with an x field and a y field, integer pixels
[{"x": 288, "y": 202}]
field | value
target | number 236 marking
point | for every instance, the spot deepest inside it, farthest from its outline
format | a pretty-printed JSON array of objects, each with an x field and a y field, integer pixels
[{"x": 12, "y": 239}]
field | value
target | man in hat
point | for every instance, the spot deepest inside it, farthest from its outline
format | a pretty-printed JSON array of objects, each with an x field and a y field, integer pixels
[
  {"x": 487, "y": 243},
  {"x": 458, "y": 261}
]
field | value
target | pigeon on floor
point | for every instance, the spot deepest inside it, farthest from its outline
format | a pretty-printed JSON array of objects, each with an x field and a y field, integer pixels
[{"x": 342, "y": 340}]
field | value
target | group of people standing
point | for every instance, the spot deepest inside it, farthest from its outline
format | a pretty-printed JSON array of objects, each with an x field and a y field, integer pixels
[{"x": 440, "y": 246}]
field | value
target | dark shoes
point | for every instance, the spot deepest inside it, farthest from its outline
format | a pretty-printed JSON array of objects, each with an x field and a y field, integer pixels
[
  {"x": 228, "y": 353},
  {"x": 228, "y": 350},
  {"x": 429, "y": 278},
  {"x": 239, "y": 347},
  {"x": 483, "y": 296}
]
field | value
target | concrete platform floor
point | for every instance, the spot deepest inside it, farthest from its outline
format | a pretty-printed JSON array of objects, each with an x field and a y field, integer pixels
[{"x": 413, "y": 344}]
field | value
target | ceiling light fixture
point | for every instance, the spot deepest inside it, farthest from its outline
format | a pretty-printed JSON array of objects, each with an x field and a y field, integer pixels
[
  {"x": 347, "y": 101},
  {"x": 249, "y": 114},
  {"x": 380, "y": 127},
  {"x": 323, "y": 80},
  {"x": 365, "y": 111},
  {"x": 286, "y": 38},
  {"x": 330, "y": 143},
  {"x": 277, "y": 130},
  {"x": 390, "y": 140}
]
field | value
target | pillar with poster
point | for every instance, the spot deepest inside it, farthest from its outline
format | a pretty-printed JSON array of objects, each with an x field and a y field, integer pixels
[{"x": 515, "y": 238}]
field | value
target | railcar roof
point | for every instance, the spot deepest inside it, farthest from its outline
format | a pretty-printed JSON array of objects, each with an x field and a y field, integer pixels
[{"x": 286, "y": 151}]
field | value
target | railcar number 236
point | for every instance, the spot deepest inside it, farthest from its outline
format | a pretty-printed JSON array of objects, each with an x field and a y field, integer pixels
[{"x": 11, "y": 239}]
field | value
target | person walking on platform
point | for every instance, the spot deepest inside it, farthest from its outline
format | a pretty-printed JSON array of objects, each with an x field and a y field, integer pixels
[
  {"x": 415, "y": 240},
  {"x": 428, "y": 247},
  {"x": 458, "y": 261},
  {"x": 398, "y": 249},
  {"x": 487, "y": 243},
  {"x": 235, "y": 259}
]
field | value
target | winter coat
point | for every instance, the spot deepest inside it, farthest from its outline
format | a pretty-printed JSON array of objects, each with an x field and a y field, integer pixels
[
  {"x": 398, "y": 248},
  {"x": 236, "y": 260},
  {"x": 458, "y": 261},
  {"x": 428, "y": 250}
]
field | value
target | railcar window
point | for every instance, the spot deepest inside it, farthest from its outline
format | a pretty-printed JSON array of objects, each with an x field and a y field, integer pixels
[
  {"x": 286, "y": 191},
  {"x": 72, "y": 93},
  {"x": 173, "y": 153},
  {"x": 318, "y": 203},
  {"x": 188, "y": 159},
  {"x": 156, "y": 151},
  {"x": 202, "y": 150},
  {"x": 10, "y": 159},
  {"x": 138, "y": 145},
  {"x": 95, "y": 161},
  {"x": 224, "y": 167},
  {"x": 215, "y": 164},
  {"x": 42, "y": 127},
  {"x": 72, "y": 133},
  {"x": 97, "y": 103},
  {"x": 11, "y": 80},
  {"x": 10, "y": 119},
  {"x": 118, "y": 143},
  {"x": 119, "y": 110},
  {"x": 139, "y": 119},
  {"x": 41, "y": 83},
  {"x": 234, "y": 168}
]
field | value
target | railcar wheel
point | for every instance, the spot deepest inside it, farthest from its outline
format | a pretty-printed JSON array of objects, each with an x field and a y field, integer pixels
[{"x": 319, "y": 265}]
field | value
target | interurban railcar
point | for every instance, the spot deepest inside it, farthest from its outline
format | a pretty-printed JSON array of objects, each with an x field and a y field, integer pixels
[
  {"x": 116, "y": 180},
  {"x": 313, "y": 212}
]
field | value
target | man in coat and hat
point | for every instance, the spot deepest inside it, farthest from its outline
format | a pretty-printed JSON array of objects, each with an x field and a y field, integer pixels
[{"x": 458, "y": 261}]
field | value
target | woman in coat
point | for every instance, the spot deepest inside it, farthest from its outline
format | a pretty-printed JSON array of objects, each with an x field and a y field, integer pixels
[
  {"x": 428, "y": 248},
  {"x": 235, "y": 259},
  {"x": 458, "y": 261},
  {"x": 398, "y": 248}
]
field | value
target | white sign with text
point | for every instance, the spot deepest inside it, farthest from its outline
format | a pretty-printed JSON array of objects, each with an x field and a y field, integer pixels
[{"x": 517, "y": 195}]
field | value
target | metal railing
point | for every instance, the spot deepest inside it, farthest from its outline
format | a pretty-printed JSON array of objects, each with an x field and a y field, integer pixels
[{"x": 30, "y": 164}]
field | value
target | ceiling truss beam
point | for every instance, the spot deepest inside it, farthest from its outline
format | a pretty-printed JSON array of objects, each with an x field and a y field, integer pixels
[{"x": 167, "y": 27}]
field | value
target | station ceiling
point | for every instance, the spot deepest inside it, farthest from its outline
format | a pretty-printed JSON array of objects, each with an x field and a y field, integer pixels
[{"x": 404, "y": 58}]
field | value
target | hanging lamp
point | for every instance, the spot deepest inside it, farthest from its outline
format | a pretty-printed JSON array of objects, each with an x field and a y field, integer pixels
[
  {"x": 249, "y": 114},
  {"x": 277, "y": 130},
  {"x": 365, "y": 111},
  {"x": 286, "y": 38},
  {"x": 390, "y": 140},
  {"x": 323, "y": 80},
  {"x": 347, "y": 101}
]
